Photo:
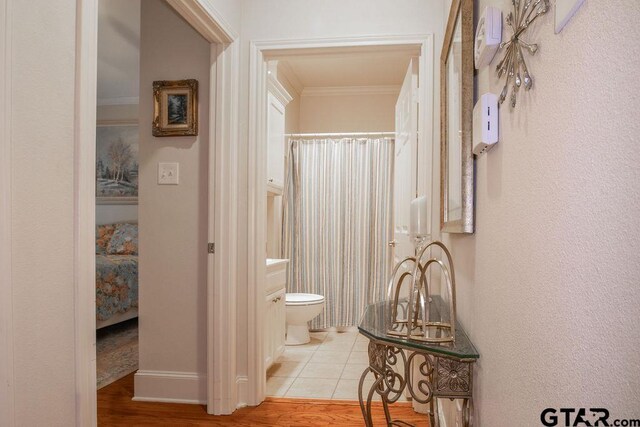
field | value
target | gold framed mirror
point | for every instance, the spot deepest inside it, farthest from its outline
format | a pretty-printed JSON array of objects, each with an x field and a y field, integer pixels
[{"x": 456, "y": 121}]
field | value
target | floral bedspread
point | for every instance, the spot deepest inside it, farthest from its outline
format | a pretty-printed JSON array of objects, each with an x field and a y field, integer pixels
[{"x": 116, "y": 284}]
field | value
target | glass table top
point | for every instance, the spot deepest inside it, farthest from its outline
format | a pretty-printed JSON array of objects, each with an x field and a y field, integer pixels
[{"x": 376, "y": 321}]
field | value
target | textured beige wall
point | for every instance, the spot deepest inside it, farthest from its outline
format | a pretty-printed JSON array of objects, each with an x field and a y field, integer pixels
[
  {"x": 348, "y": 113},
  {"x": 42, "y": 140},
  {"x": 548, "y": 285},
  {"x": 173, "y": 218}
]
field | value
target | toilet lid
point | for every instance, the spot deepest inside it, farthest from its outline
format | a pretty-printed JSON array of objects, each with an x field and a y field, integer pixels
[{"x": 303, "y": 299}]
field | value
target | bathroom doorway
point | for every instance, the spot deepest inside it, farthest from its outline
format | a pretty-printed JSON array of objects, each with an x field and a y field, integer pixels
[{"x": 338, "y": 96}]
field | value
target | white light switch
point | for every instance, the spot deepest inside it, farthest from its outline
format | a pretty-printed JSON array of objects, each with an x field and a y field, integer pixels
[{"x": 168, "y": 173}]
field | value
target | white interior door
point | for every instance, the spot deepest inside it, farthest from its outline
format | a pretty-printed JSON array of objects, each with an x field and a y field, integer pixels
[{"x": 406, "y": 162}]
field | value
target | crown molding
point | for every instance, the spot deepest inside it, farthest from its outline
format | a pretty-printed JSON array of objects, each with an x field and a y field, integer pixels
[
  {"x": 278, "y": 90},
  {"x": 206, "y": 19},
  {"x": 350, "y": 90}
]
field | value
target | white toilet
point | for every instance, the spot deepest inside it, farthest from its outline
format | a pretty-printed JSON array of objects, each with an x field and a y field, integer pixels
[{"x": 300, "y": 309}]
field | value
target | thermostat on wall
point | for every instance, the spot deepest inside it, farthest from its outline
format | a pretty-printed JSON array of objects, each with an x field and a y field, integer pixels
[
  {"x": 485, "y": 123},
  {"x": 488, "y": 36}
]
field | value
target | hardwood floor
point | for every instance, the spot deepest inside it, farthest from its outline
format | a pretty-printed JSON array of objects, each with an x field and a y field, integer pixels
[{"x": 115, "y": 408}]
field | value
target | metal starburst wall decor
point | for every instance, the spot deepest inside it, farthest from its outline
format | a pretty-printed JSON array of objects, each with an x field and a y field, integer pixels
[{"x": 513, "y": 64}]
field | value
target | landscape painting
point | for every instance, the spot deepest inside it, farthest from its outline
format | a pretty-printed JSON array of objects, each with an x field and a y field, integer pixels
[
  {"x": 117, "y": 163},
  {"x": 177, "y": 105}
]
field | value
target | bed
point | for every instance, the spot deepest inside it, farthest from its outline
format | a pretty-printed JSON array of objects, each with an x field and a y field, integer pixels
[{"x": 116, "y": 273}]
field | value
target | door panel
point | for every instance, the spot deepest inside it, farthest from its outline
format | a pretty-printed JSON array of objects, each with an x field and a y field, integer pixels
[{"x": 406, "y": 159}]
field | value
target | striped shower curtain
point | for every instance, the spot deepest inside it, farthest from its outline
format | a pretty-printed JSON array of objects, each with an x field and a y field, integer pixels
[{"x": 337, "y": 223}]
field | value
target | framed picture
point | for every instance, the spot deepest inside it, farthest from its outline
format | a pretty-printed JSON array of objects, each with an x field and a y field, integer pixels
[
  {"x": 456, "y": 121},
  {"x": 175, "y": 108},
  {"x": 117, "y": 164}
]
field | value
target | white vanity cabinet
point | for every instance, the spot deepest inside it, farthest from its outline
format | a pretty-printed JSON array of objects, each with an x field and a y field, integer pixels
[
  {"x": 275, "y": 322},
  {"x": 276, "y": 142}
]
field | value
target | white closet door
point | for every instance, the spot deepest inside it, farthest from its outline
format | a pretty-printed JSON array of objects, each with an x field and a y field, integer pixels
[{"x": 406, "y": 160}]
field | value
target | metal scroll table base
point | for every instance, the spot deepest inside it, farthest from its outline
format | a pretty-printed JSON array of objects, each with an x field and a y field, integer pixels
[{"x": 435, "y": 376}]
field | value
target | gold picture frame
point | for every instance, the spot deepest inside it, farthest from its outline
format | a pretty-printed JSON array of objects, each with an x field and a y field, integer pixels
[
  {"x": 457, "y": 167},
  {"x": 175, "y": 107}
]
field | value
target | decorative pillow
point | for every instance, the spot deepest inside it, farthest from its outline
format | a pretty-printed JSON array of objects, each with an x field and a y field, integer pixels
[
  {"x": 124, "y": 240},
  {"x": 103, "y": 236}
]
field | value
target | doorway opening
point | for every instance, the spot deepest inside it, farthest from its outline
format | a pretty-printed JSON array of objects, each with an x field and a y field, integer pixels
[
  {"x": 117, "y": 172},
  {"x": 336, "y": 124}
]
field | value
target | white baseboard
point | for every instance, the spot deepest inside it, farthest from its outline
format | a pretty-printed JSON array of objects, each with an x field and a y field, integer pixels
[
  {"x": 170, "y": 387},
  {"x": 242, "y": 385}
]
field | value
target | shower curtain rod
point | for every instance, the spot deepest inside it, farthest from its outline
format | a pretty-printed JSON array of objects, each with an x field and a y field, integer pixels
[{"x": 303, "y": 135}]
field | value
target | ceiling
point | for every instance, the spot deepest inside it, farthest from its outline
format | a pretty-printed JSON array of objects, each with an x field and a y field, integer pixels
[
  {"x": 385, "y": 66},
  {"x": 118, "y": 50}
]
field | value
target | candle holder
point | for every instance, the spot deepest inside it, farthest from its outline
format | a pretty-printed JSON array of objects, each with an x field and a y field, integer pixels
[{"x": 413, "y": 314}]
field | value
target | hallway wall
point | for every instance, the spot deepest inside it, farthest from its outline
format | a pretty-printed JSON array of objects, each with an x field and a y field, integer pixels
[
  {"x": 173, "y": 218},
  {"x": 37, "y": 310},
  {"x": 548, "y": 285}
]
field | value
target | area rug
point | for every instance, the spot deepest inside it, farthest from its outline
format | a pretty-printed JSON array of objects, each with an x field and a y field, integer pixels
[{"x": 116, "y": 351}]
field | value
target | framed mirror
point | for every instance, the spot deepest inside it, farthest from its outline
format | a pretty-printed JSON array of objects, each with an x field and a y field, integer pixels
[{"x": 456, "y": 121}]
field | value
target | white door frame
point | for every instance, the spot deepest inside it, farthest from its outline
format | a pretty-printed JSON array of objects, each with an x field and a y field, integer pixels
[
  {"x": 222, "y": 189},
  {"x": 6, "y": 303},
  {"x": 259, "y": 50}
]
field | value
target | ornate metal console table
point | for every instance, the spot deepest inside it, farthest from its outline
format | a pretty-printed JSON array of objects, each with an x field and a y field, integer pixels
[{"x": 439, "y": 370}]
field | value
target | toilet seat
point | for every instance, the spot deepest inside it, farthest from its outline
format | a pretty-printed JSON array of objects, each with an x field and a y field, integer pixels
[{"x": 299, "y": 299}]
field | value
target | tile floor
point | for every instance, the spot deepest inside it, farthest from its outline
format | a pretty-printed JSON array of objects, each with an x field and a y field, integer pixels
[{"x": 329, "y": 367}]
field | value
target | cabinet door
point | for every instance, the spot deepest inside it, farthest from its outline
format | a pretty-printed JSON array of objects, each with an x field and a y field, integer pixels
[
  {"x": 275, "y": 146},
  {"x": 269, "y": 321},
  {"x": 275, "y": 326},
  {"x": 280, "y": 327}
]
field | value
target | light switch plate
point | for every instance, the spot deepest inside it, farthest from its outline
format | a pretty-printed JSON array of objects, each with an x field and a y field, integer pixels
[
  {"x": 565, "y": 9},
  {"x": 168, "y": 173}
]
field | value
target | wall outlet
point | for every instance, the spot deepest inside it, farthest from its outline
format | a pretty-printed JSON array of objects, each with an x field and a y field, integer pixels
[{"x": 168, "y": 173}]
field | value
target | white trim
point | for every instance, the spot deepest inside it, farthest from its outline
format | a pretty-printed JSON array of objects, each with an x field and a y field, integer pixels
[
  {"x": 7, "y": 409},
  {"x": 325, "y": 47},
  {"x": 205, "y": 19},
  {"x": 278, "y": 90},
  {"x": 257, "y": 164},
  {"x": 242, "y": 382},
  {"x": 351, "y": 90},
  {"x": 427, "y": 99},
  {"x": 221, "y": 282},
  {"x": 84, "y": 211},
  {"x": 124, "y": 100},
  {"x": 172, "y": 387},
  {"x": 256, "y": 258}
]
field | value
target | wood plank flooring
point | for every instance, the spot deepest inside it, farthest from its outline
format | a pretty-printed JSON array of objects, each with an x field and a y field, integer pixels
[{"x": 115, "y": 408}]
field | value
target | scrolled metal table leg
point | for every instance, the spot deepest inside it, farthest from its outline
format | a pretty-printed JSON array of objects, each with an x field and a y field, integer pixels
[
  {"x": 467, "y": 412},
  {"x": 366, "y": 409}
]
